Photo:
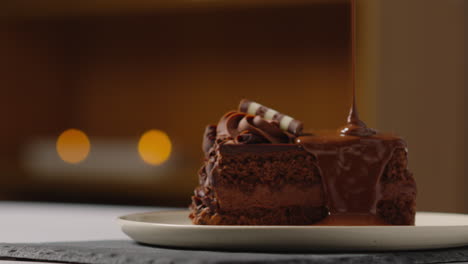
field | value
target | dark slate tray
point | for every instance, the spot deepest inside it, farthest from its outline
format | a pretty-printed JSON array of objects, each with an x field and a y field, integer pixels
[{"x": 126, "y": 251}]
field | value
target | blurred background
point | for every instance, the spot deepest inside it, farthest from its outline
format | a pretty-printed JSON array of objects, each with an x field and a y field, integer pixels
[{"x": 106, "y": 101}]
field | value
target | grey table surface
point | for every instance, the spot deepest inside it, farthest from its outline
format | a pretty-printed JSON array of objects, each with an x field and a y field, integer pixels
[
  {"x": 34, "y": 231},
  {"x": 33, "y": 222},
  {"x": 49, "y": 222}
]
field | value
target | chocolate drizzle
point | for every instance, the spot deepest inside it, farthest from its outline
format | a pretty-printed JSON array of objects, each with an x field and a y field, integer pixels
[
  {"x": 354, "y": 126},
  {"x": 209, "y": 138},
  {"x": 351, "y": 168},
  {"x": 351, "y": 162}
]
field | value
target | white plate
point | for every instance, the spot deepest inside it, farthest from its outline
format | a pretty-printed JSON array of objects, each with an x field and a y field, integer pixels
[{"x": 174, "y": 229}]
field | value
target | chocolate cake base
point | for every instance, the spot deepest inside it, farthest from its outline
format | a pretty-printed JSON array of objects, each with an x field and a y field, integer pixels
[
  {"x": 268, "y": 184},
  {"x": 398, "y": 202},
  {"x": 294, "y": 215},
  {"x": 260, "y": 184}
]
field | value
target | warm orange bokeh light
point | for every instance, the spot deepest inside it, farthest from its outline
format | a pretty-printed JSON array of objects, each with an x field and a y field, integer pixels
[
  {"x": 154, "y": 147},
  {"x": 73, "y": 146}
]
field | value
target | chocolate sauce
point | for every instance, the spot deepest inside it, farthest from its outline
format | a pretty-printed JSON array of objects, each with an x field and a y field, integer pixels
[
  {"x": 351, "y": 168},
  {"x": 351, "y": 162},
  {"x": 354, "y": 126}
]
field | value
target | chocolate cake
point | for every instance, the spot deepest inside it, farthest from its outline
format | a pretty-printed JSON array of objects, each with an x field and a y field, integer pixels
[
  {"x": 255, "y": 173},
  {"x": 261, "y": 169}
]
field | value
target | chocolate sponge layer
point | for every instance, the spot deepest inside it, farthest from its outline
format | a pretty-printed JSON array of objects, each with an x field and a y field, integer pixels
[
  {"x": 398, "y": 202},
  {"x": 247, "y": 185}
]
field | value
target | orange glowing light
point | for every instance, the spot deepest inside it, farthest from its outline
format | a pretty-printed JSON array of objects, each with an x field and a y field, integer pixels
[
  {"x": 73, "y": 146},
  {"x": 154, "y": 147}
]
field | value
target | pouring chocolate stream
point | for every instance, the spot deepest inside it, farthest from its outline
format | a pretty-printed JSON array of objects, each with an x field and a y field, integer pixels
[{"x": 351, "y": 160}]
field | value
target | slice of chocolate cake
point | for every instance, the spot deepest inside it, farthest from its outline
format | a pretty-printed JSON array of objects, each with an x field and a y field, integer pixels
[
  {"x": 255, "y": 175},
  {"x": 260, "y": 169}
]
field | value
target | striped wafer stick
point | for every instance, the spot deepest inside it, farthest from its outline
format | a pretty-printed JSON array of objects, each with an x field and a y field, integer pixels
[{"x": 286, "y": 123}]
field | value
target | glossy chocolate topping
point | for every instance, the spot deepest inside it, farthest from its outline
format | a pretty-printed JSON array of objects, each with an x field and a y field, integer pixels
[
  {"x": 351, "y": 167},
  {"x": 354, "y": 126}
]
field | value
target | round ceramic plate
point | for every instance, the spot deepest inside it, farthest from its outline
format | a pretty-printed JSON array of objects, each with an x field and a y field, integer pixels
[{"x": 174, "y": 229}]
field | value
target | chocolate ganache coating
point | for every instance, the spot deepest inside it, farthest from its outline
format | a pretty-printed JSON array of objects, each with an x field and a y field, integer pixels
[{"x": 351, "y": 168}]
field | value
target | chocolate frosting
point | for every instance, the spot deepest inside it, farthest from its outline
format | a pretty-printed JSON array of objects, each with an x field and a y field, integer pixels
[
  {"x": 241, "y": 128},
  {"x": 209, "y": 138}
]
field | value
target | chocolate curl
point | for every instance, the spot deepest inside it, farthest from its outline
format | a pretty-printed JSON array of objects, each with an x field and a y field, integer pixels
[
  {"x": 248, "y": 137},
  {"x": 286, "y": 123},
  {"x": 259, "y": 127},
  {"x": 227, "y": 126}
]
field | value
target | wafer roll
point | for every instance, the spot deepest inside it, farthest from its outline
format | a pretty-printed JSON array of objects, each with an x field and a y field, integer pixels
[{"x": 286, "y": 122}]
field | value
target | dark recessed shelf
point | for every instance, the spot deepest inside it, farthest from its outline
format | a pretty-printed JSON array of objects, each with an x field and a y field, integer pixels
[{"x": 24, "y": 9}]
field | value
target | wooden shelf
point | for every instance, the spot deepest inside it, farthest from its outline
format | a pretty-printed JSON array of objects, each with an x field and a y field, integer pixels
[{"x": 26, "y": 9}]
